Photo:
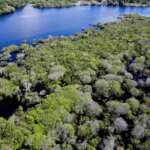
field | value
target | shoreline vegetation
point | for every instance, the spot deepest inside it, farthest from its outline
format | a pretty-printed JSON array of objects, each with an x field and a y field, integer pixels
[
  {"x": 7, "y": 6},
  {"x": 10, "y": 6},
  {"x": 87, "y": 92},
  {"x": 89, "y": 3}
]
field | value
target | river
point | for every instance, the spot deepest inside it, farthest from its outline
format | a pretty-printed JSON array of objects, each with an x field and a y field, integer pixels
[{"x": 30, "y": 24}]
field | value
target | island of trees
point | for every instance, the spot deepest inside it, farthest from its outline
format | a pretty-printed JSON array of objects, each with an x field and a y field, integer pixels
[
  {"x": 90, "y": 91},
  {"x": 8, "y": 6}
]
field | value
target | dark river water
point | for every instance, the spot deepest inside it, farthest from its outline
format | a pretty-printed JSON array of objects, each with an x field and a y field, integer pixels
[{"x": 29, "y": 24}]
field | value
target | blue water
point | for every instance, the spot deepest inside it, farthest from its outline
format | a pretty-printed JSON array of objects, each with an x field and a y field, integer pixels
[{"x": 29, "y": 24}]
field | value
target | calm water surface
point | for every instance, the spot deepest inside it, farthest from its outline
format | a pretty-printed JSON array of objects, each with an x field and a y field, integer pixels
[{"x": 31, "y": 23}]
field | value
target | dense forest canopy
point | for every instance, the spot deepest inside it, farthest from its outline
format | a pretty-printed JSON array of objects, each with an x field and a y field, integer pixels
[
  {"x": 7, "y": 6},
  {"x": 86, "y": 92},
  {"x": 90, "y": 91}
]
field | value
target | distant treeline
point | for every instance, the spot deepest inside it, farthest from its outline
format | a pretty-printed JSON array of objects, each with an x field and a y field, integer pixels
[
  {"x": 123, "y": 2},
  {"x": 8, "y": 6}
]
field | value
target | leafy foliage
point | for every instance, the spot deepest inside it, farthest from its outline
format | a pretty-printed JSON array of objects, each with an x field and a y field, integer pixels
[{"x": 89, "y": 91}]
